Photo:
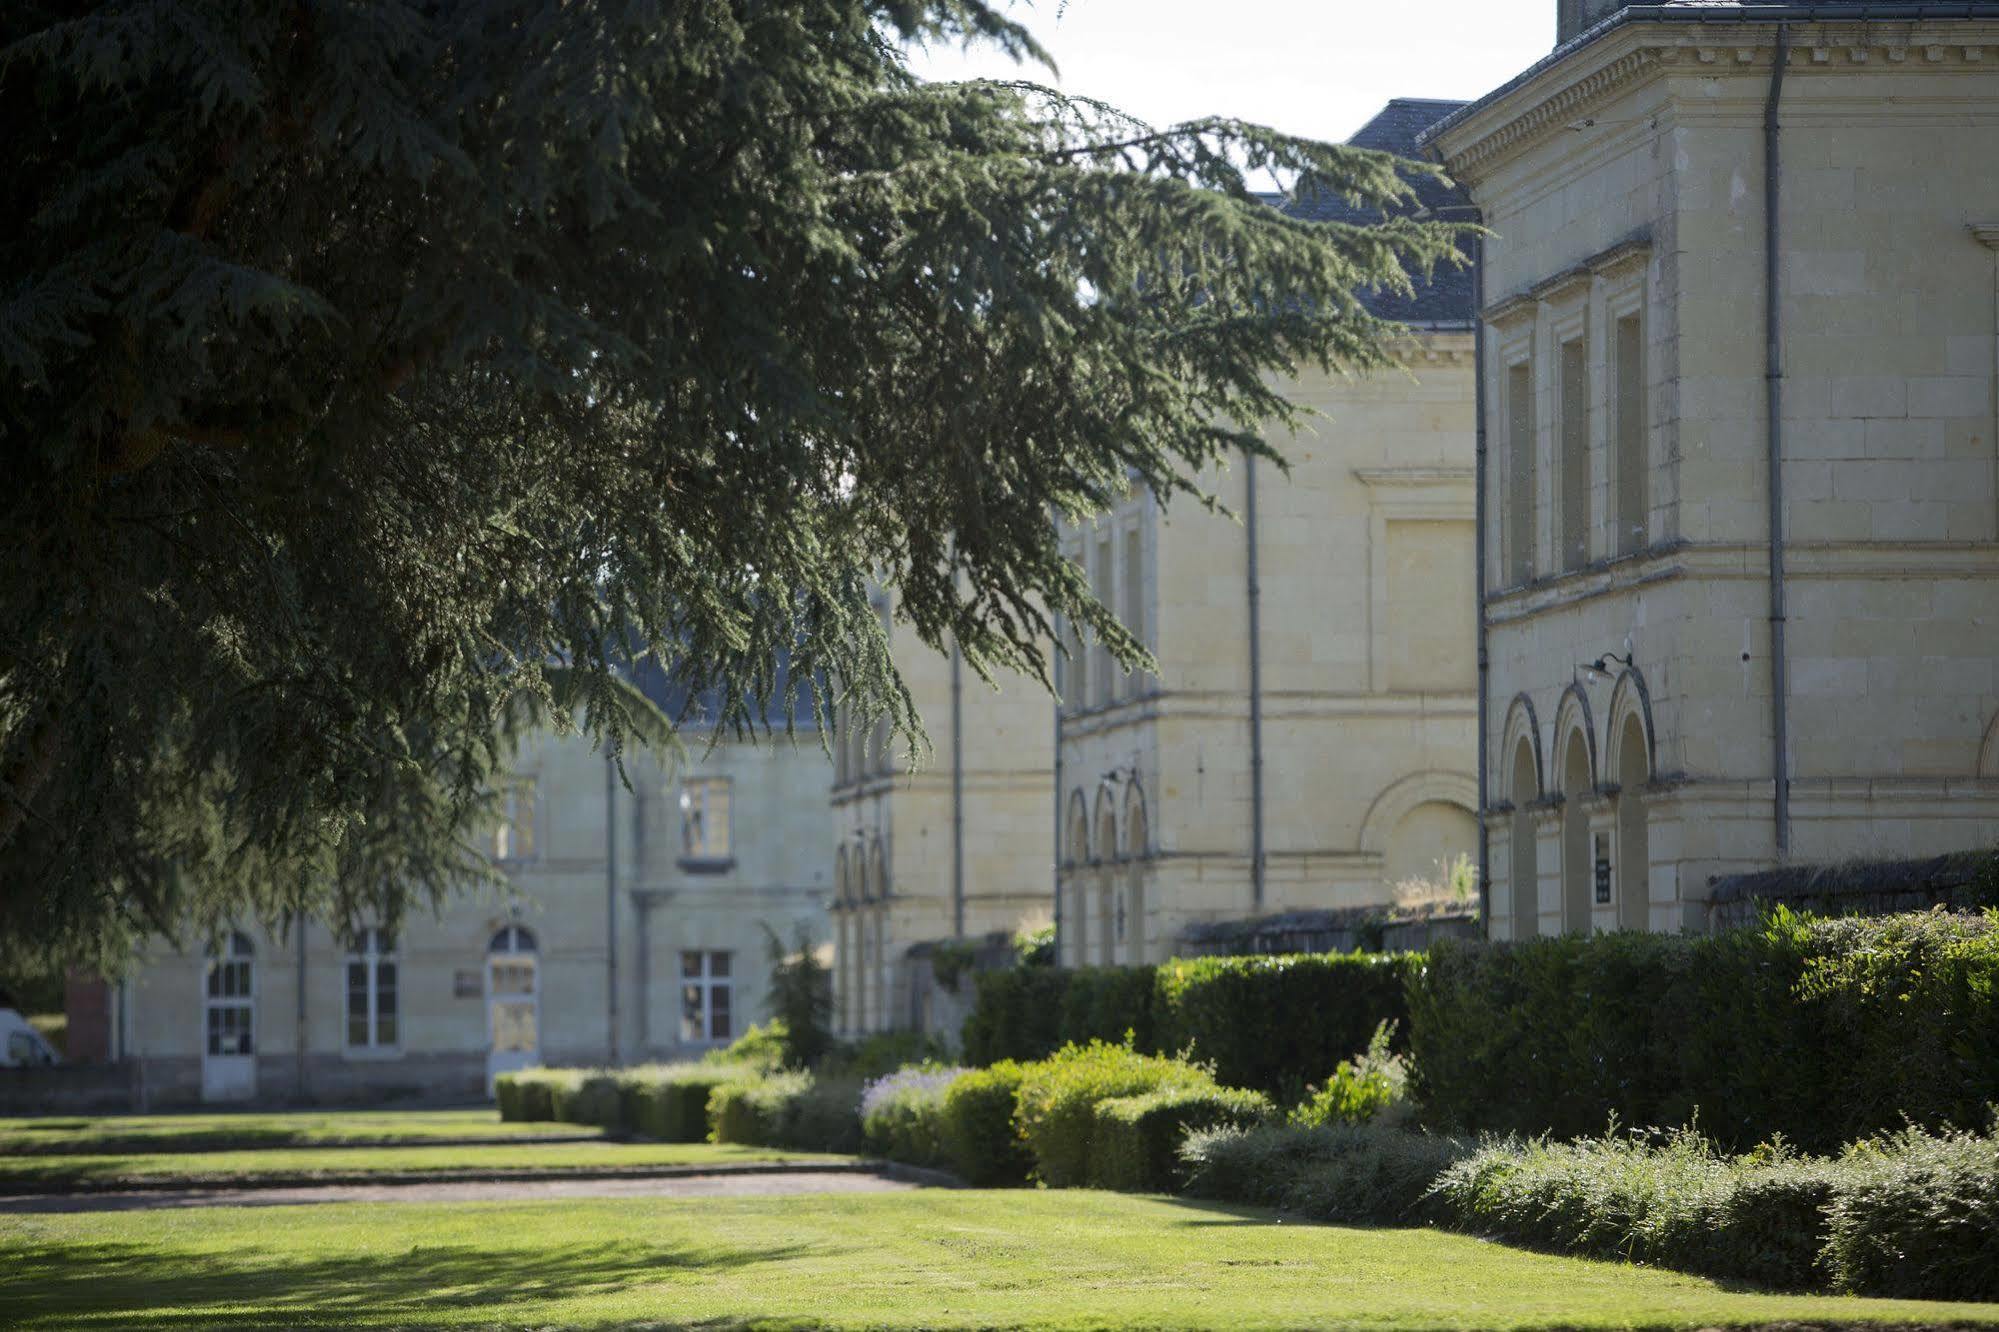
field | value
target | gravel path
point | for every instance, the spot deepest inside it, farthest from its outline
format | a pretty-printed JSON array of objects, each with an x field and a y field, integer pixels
[{"x": 722, "y": 1184}]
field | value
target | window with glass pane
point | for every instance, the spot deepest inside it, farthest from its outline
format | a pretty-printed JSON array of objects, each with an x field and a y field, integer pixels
[
  {"x": 371, "y": 991},
  {"x": 706, "y": 994},
  {"x": 704, "y": 819},
  {"x": 513, "y": 839}
]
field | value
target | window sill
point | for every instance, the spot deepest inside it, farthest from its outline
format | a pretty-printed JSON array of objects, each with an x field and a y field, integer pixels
[
  {"x": 706, "y": 865},
  {"x": 371, "y": 1054}
]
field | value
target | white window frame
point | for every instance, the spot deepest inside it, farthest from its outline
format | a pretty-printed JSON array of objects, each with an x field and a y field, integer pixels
[
  {"x": 515, "y": 837},
  {"x": 699, "y": 808},
  {"x": 698, "y": 989},
  {"x": 1512, "y": 339},
  {"x": 367, "y": 951}
]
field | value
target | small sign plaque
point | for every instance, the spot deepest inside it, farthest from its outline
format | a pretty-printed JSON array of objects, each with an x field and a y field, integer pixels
[
  {"x": 1602, "y": 869},
  {"x": 465, "y": 984}
]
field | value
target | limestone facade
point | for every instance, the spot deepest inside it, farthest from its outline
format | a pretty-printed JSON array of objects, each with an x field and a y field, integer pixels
[
  {"x": 648, "y": 903},
  {"x": 1628, "y": 454},
  {"x": 952, "y": 844},
  {"x": 1365, "y": 695}
]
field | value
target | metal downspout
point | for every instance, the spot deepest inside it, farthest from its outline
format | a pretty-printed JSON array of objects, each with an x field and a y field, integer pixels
[
  {"x": 298, "y": 928},
  {"x": 957, "y": 792},
  {"x": 611, "y": 903},
  {"x": 1056, "y": 866},
  {"x": 1773, "y": 375},
  {"x": 1255, "y": 691},
  {"x": 1479, "y": 577}
]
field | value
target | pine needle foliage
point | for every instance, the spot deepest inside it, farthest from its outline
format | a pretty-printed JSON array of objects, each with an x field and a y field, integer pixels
[{"x": 360, "y": 360}]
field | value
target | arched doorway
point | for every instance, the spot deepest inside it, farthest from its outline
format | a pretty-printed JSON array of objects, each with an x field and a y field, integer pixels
[
  {"x": 1576, "y": 865},
  {"x": 229, "y": 1021},
  {"x": 1524, "y": 862},
  {"x": 1634, "y": 853},
  {"x": 513, "y": 1002}
]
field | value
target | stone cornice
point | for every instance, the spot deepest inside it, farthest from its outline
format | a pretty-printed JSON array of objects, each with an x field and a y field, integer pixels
[
  {"x": 1561, "y": 95},
  {"x": 1413, "y": 476}
]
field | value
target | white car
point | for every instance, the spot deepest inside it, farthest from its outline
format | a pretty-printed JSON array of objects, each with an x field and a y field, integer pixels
[{"x": 21, "y": 1046}]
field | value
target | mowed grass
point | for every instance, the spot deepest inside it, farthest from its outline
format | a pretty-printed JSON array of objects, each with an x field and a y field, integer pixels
[
  {"x": 77, "y": 1135},
  {"x": 25, "y": 1174},
  {"x": 933, "y": 1259}
]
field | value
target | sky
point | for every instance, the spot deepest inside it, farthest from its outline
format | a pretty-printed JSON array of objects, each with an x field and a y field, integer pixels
[{"x": 1311, "y": 67}]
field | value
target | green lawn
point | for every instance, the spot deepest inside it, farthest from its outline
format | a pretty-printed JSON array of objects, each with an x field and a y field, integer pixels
[
  {"x": 301, "y": 1128},
  {"x": 21, "y": 1174},
  {"x": 940, "y": 1258}
]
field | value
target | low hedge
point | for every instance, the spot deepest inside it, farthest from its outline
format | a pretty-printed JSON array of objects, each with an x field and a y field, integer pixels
[
  {"x": 1136, "y": 1140},
  {"x": 537, "y": 1094},
  {"x": 981, "y": 1136},
  {"x": 1269, "y": 1023},
  {"x": 1825, "y": 1031},
  {"x": 1917, "y": 1215},
  {"x": 1347, "y": 1173},
  {"x": 1055, "y": 1106},
  {"x": 794, "y": 1110},
  {"x": 669, "y": 1102}
]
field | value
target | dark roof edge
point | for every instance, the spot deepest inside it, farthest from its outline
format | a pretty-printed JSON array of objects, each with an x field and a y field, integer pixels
[{"x": 1773, "y": 13}]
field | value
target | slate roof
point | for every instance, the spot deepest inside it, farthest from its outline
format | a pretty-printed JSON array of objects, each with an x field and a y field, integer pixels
[
  {"x": 1447, "y": 298},
  {"x": 698, "y": 710}
]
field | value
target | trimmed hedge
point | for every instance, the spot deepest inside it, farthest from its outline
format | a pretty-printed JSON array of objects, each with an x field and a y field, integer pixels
[
  {"x": 537, "y": 1094},
  {"x": 670, "y": 1102},
  {"x": 1270, "y": 1023},
  {"x": 1822, "y": 1030},
  {"x": 981, "y": 1138},
  {"x": 1348, "y": 1173},
  {"x": 1918, "y": 1216},
  {"x": 1055, "y": 1107},
  {"x": 1136, "y": 1140},
  {"x": 902, "y": 1115},
  {"x": 794, "y": 1110}
]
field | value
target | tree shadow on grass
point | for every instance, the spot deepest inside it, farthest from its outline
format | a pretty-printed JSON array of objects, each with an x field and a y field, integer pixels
[{"x": 61, "y": 1285}]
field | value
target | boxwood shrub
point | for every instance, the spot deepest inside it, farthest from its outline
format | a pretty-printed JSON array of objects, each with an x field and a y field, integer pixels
[
  {"x": 752, "y": 1111},
  {"x": 1016, "y": 1014},
  {"x": 981, "y": 1134},
  {"x": 535, "y": 1094},
  {"x": 669, "y": 1102},
  {"x": 1136, "y": 1140},
  {"x": 902, "y": 1115}
]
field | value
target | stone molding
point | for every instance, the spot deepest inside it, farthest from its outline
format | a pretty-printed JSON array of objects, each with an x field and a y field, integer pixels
[{"x": 1739, "y": 49}]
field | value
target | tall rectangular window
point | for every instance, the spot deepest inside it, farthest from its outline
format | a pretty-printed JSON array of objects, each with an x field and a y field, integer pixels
[
  {"x": 1575, "y": 454},
  {"x": 1633, "y": 491},
  {"x": 513, "y": 838},
  {"x": 1519, "y": 527},
  {"x": 704, "y": 821},
  {"x": 1102, "y": 666},
  {"x": 705, "y": 994},
  {"x": 1133, "y": 610},
  {"x": 371, "y": 991}
]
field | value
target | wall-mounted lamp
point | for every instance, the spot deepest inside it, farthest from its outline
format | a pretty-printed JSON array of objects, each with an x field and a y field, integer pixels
[{"x": 1602, "y": 665}]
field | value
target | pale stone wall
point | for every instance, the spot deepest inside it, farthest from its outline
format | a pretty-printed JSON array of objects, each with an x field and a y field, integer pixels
[
  {"x": 893, "y": 863},
  {"x": 1627, "y": 179},
  {"x": 777, "y": 878},
  {"x": 1364, "y": 566}
]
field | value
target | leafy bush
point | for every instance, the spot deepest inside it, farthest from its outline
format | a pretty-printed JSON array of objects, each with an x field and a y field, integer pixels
[
  {"x": 669, "y": 1102},
  {"x": 597, "y": 1099},
  {"x": 538, "y": 1094},
  {"x": 1056, "y": 1103},
  {"x": 1017, "y": 1015},
  {"x": 883, "y": 1053},
  {"x": 1263, "y": 1020},
  {"x": 902, "y": 1115},
  {"x": 752, "y": 1111},
  {"x": 1917, "y": 1216},
  {"x": 1135, "y": 1143},
  {"x": 1823, "y": 1030},
  {"x": 801, "y": 998},
  {"x": 1370, "y": 1088},
  {"x": 761, "y": 1047},
  {"x": 1110, "y": 1004},
  {"x": 1674, "y": 1202},
  {"x": 981, "y": 1136},
  {"x": 1337, "y": 1172}
]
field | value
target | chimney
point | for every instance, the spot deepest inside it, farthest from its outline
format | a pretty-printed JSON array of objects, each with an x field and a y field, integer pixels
[{"x": 1575, "y": 17}]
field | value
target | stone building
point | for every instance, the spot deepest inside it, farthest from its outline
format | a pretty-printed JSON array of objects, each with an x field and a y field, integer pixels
[
  {"x": 1739, "y": 545},
  {"x": 636, "y": 933},
  {"x": 955, "y": 846},
  {"x": 1308, "y": 739}
]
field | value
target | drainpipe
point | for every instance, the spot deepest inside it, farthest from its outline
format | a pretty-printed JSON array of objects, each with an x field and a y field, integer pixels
[
  {"x": 1056, "y": 867},
  {"x": 611, "y": 903},
  {"x": 642, "y": 902},
  {"x": 957, "y": 792},
  {"x": 1987, "y": 234},
  {"x": 1479, "y": 576},
  {"x": 298, "y": 929},
  {"x": 1255, "y": 691},
  {"x": 1773, "y": 375}
]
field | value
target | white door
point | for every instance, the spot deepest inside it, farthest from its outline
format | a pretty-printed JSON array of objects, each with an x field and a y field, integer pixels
[
  {"x": 513, "y": 1003},
  {"x": 229, "y": 1022}
]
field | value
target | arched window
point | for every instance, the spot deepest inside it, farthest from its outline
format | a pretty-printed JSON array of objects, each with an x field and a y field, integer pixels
[
  {"x": 1524, "y": 866},
  {"x": 513, "y": 1001},
  {"x": 1576, "y": 862},
  {"x": 1137, "y": 849},
  {"x": 372, "y": 991}
]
